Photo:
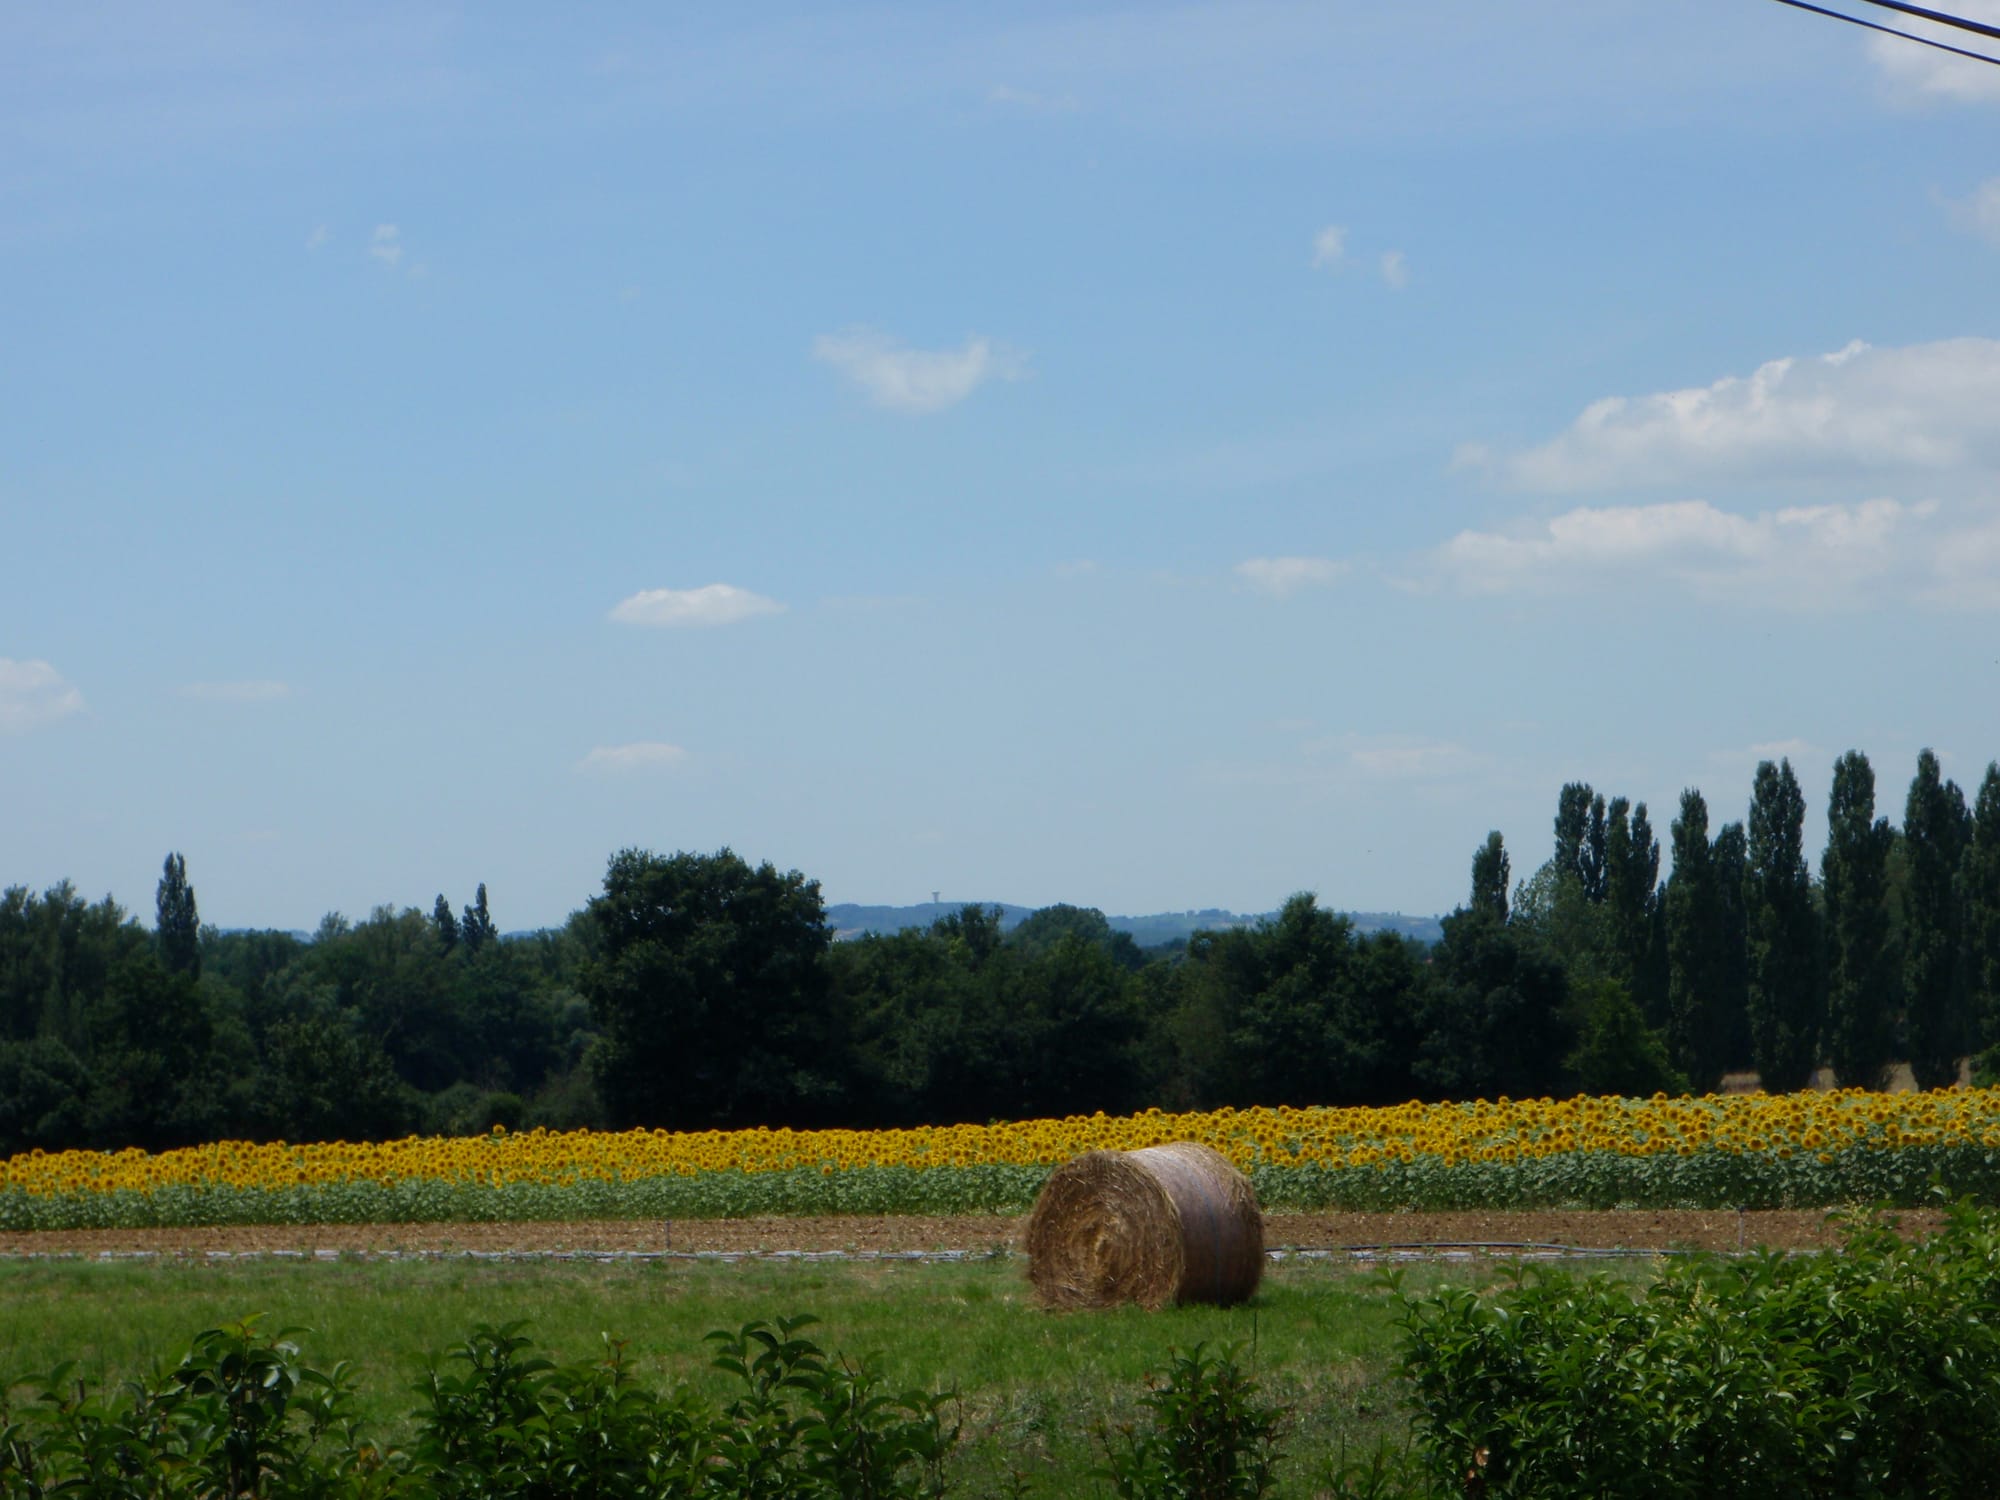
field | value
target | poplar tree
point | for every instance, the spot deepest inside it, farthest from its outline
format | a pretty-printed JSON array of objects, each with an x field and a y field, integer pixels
[
  {"x": 1572, "y": 828},
  {"x": 179, "y": 924},
  {"x": 445, "y": 924},
  {"x": 1489, "y": 877},
  {"x": 1730, "y": 860},
  {"x": 476, "y": 928},
  {"x": 1695, "y": 1031},
  {"x": 1861, "y": 991},
  {"x": 1632, "y": 872},
  {"x": 1935, "y": 828},
  {"x": 1979, "y": 896},
  {"x": 1782, "y": 932}
]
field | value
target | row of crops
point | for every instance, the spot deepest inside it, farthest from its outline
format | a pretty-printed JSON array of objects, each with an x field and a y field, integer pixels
[{"x": 1719, "y": 1151}]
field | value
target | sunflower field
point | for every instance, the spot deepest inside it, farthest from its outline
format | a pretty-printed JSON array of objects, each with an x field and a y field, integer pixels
[{"x": 1718, "y": 1151}]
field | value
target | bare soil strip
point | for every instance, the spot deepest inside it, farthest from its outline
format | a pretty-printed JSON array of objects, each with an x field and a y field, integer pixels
[{"x": 1723, "y": 1229}]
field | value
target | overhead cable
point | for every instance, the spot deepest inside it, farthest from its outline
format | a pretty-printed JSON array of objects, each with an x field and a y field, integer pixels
[
  {"x": 1961, "y": 23},
  {"x": 1908, "y": 36}
]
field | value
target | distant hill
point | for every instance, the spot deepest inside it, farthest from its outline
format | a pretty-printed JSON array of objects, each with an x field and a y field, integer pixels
[{"x": 850, "y": 920}]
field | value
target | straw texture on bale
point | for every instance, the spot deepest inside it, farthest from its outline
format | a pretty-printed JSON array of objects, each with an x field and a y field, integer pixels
[{"x": 1174, "y": 1223}]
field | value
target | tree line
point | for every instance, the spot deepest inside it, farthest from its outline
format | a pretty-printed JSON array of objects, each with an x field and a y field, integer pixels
[{"x": 696, "y": 990}]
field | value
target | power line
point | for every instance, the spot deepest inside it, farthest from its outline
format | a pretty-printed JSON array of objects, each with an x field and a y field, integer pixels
[
  {"x": 1908, "y": 36},
  {"x": 1960, "y": 22}
]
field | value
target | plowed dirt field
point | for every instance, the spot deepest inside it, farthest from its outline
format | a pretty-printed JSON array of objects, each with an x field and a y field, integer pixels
[{"x": 1666, "y": 1230}]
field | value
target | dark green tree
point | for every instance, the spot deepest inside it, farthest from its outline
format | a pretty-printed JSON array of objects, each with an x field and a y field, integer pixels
[
  {"x": 1632, "y": 877},
  {"x": 710, "y": 986},
  {"x": 1697, "y": 1027},
  {"x": 1616, "y": 1052},
  {"x": 445, "y": 923},
  {"x": 1783, "y": 933},
  {"x": 1861, "y": 987},
  {"x": 179, "y": 926},
  {"x": 1490, "y": 877},
  {"x": 1573, "y": 805},
  {"x": 476, "y": 928},
  {"x": 330, "y": 1083},
  {"x": 1979, "y": 897},
  {"x": 1729, "y": 860},
  {"x": 1043, "y": 930},
  {"x": 1935, "y": 833},
  {"x": 1493, "y": 1017},
  {"x": 1594, "y": 858}
]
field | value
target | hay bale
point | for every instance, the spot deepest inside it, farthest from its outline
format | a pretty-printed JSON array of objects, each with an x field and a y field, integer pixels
[{"x": 1173, "y": 1223}]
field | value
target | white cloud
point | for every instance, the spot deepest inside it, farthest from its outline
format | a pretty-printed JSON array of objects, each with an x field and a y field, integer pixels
[
  {"x": 1795, "y": 750},
  {"x": 1281, "y": 577},
  {"x": 916, "y": 380},
  {"x": 1399, "y": 756},
  {"x": 1395, "y": 269},
  {"x": 1810, "y": 558},
  {"x": 711, "y": 604},
  {"x": 1029, "y": 101},
  {"x": 1980, "y": 212},
  {"x": 1329, "y": 245},
  {"x": 33, "y": 694},
  {"x": 317, "y": 238},
  {"x": 256, "y": 691},
  {"x": 1966, "y": 574},
  {"x": 386, "y": 244},
  {"x": 643, "y": 755},
  {"x": 1927, "y": 407},
  {"x": 1926, "y": 75}
]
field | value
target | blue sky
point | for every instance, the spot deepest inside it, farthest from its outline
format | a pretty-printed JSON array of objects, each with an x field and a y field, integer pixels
[{"x": 1147, "y": 457}]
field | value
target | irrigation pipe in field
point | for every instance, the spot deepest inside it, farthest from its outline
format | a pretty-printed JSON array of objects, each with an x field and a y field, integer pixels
[{"x": 1353, "y": 1254}]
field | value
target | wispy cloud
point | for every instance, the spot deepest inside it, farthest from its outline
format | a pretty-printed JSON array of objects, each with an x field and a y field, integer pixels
[
  {"x": 1926, "y": 407},
  {"x": 1924, "y": 74},
  {"x": 711, "y": 604},
  {"x": 1398, "y": 756},
  {"x": 317, "y": 238},
  {"x": 1281, "y": 577},
  {"x": 1795, "y": 749},
  {"x": 900, "y": 378},
  {"x": 642, "y": 755},
  {"x": 1980, "y": 212},
  {"x": 261, "y": 690},
  {"x": 1395, "y": 269},
  {"x": 1329, "y": 246},
  {"x": 33, "y": 694},
  {"x": 386, "y": 244},
  {"x": 1805, "y": 558},
  {"x": 1028, "y": 101}
]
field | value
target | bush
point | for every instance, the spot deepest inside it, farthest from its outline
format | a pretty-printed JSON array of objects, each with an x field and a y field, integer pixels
[
  {"x": 241, "y": 1416},
  {"x": 1212, "y": 1437},
  {"x": 1870, "y": 1372}
]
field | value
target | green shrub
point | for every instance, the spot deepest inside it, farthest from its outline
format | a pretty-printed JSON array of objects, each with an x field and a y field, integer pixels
[
  {"x": 1213, "y": 1436},
  {"x": 241, "y": 1416},
  {"x": 1872, "y": 1371}
]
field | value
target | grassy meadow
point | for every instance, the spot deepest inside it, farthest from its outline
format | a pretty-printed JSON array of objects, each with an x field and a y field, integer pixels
[{"x": 1033, "y": 1385}]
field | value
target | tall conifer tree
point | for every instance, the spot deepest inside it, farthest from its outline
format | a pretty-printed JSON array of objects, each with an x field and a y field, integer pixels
[
  {"x": 1572, "y": 828},
  {"x": 1695, "y": 1025},
  {"x": 1935, "y": 827},
  {"x": 1862, "y": 993},
  {"x": 1489, "y": 877},
  {"x": 1979, "y": 897},
  {"x": 179, "y": 923},
  {"x": 1783, "y": 935},
  {"x": 1729, "y": 857}
]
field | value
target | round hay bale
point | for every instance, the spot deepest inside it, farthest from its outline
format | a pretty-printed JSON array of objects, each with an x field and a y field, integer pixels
[{"x": 1173, "y": 1223}]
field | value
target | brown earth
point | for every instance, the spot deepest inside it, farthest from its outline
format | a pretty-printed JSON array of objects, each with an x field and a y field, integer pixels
[{"x": 1623, "y": 1229}]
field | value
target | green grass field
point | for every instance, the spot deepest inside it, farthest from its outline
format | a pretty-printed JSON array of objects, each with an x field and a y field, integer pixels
[{"x": 1033, "y": 1384}]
